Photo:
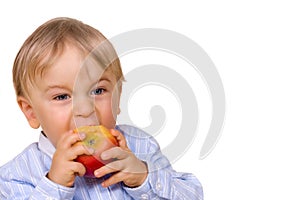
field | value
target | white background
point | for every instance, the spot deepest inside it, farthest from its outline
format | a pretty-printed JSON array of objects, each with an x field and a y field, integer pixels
[{"x": 255, "y": 46}]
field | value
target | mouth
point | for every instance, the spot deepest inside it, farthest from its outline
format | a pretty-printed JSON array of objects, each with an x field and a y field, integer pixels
[
  {"x": 84, "y": 124},
  {"x": 89, "y": 120}
]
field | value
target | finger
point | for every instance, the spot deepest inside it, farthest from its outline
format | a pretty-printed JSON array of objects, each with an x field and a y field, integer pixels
[
  {"x": 114, "y": 153},
  {"x": 78, "y": 168},
  {"x": 109, "y": 168},
  {"x": 68, "y": 139},
  {"x": 61, "y": 142},
  {"x": 120, "y": 138},
  {"x": 116, "y": 178},
  {"x": 77, "y": 150}
]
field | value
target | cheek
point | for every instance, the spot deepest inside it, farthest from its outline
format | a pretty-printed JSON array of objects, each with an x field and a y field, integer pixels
[
  {"x": 58, "y": 114},
  {"x": 55, "y": 120},
  {"x": 104, "y": 107},
  {"x": 106, "y": 113},
  {"x": 56, "y": 124}
]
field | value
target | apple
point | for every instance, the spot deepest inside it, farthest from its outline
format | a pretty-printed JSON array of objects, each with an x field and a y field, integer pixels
[{"x": 99, "y": 139}]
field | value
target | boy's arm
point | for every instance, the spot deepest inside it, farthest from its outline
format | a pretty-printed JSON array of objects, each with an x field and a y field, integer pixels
[
  {"x": 18, "y": 183},
  {"x": 44, "y": 190},
  {"x": 25, "y": 177},
  {"x": 162, "y": 181},
  {"x": 165, "y": 183}
]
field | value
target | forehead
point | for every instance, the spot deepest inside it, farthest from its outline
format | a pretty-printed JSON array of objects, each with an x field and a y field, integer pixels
[
  {"x": 72, "y": 67},
  {"x": 63, "y": 65}
]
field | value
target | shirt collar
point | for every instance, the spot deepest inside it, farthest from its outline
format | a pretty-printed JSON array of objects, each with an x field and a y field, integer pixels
[{"x": 46, "y": 146}]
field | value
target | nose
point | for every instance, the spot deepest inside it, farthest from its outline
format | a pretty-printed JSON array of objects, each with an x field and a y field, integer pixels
[
  {"x": 84, "y": 112},
  {"x": 83, "y": 106}
]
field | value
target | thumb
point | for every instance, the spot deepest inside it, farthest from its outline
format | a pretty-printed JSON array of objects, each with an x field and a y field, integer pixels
[{"x": 120, "y": 138}]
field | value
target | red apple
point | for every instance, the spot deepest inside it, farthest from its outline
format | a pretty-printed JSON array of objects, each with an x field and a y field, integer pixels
[{"x": 99, "y": 139}]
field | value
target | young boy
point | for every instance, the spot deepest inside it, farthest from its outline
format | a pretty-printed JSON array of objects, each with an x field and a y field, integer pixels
[{"x": 67, "y": 75}]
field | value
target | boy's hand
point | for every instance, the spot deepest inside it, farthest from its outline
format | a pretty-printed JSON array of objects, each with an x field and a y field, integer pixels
[
  {"x": 127, "y": 168},
  {"x": 64, "y": 169}
]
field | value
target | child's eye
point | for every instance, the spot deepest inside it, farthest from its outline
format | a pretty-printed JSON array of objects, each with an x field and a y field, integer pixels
[
  {"x": 62, "y": 97},
  {"x": 98, "y": 91}
]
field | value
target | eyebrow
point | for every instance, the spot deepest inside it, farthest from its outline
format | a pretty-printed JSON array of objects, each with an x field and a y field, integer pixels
[
  {"x": 57, "y": 86},
  {"x": 50, "y": 87},
  {"x": 103, "y": 79}
]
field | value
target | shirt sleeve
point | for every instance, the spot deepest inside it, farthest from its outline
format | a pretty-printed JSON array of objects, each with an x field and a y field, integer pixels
[
  {"x": 163, "y": 182},
  {"x": 17, "y": 183},
  {"x": 45, "y": 189}
]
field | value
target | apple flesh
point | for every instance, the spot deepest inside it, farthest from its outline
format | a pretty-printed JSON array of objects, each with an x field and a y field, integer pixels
[{"x": 99, "y": 139}]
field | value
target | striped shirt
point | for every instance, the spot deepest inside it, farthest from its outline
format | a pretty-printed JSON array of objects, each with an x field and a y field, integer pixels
[{"x": 25, "y": 176}]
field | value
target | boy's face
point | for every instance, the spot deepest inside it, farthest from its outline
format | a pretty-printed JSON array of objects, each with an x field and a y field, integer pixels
[{"x": 69, "y": 96}]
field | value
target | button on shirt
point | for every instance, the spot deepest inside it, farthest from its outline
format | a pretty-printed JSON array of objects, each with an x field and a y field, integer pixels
[{"x": 25, "y": 176}]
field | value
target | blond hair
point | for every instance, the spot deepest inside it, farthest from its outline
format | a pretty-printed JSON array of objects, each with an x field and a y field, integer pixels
[{"x": 46, "y": 44}]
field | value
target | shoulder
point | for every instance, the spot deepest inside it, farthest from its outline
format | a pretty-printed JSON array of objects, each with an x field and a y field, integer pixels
[
  {"x": 27, "y": 162},
  {"x": 132, "y": 131},
  {"x": 138, "y": 140},
  {"x": 23, "y": 155},
  {"x": 135, "y": 134}
]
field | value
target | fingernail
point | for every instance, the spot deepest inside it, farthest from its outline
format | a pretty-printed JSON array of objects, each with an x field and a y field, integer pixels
[
  {"x": 91, "y": 150},
  {"x": 81, "y": 136},
  {"x": 104, "y": 156},
  {"x": 96, "y": 173}
]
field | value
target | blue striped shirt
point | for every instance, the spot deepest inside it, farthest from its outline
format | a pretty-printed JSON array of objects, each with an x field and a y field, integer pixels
[{"x": 25, "y": 176}]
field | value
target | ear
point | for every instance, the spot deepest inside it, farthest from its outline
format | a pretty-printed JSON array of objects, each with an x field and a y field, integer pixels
[
  {"x": 28, "y": 111},
  {"x": 119, "y": 93},
  {"x": 116, "y": 100}
]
